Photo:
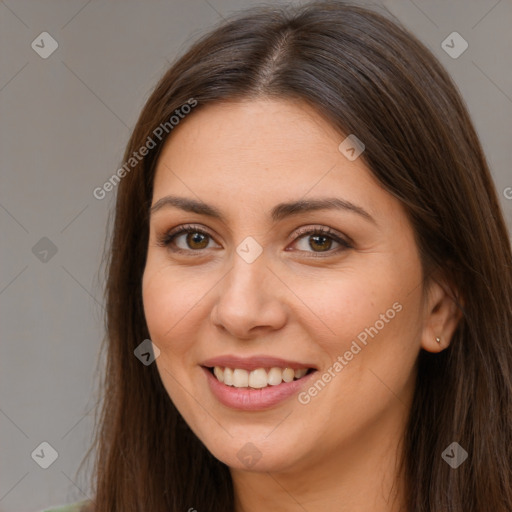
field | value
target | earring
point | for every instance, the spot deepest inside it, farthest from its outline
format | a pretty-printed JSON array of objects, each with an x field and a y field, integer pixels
[{"x": 438, "y": 340}]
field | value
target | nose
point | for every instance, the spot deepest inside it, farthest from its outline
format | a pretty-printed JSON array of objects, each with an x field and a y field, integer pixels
[{"x": 250, "y": 300}]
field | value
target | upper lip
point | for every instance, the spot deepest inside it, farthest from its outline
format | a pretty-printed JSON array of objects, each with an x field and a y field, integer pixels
[{"x": 254, "y": 362}]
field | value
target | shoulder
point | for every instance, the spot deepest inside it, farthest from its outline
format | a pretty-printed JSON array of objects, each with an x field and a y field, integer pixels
[{"x": 73, "y": 507}]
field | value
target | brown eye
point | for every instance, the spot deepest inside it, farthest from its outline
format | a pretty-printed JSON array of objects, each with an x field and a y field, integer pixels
[
  {"x": 323, "y": 243},
  {"x": 195, "y": 239},
  {"x": 315, "y": 240},
  {"x": 320, "y": 240}
]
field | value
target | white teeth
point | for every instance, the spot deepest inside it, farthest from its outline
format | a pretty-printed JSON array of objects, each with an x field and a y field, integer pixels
[
  {"x": 240, "y": 378},
  {"x": 288, "y": 374},
  {"x": 300, "y": 373},
  {"x": 275, "y": 376},
  {"x": 258, "y": 378},
  {"x": 219, "y": 373},
  {"x": 228, "y": 376}
]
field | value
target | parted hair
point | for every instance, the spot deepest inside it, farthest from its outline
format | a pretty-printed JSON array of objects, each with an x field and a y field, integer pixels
[{"x": 365, "y": 74}]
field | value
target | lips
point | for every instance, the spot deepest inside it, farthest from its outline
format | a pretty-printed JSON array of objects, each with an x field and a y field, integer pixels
[
  {"x": 249, "y": 399},
  {"x": 239, "y": 395},
  {"x": 255, "y": 362}
]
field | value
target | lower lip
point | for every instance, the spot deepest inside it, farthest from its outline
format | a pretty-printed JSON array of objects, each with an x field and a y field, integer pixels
[{"x": 250, "y": 399}]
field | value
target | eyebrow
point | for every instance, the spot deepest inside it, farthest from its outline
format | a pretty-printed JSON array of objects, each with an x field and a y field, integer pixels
[{"x": 279, "y": 212}]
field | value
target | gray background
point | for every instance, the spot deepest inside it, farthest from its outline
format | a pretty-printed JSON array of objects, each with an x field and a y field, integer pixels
[{"x": 64, "y": 122}]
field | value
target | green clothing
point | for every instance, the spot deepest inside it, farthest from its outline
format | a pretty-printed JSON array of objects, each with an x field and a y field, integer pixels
[{"x": 73, "y": 507}]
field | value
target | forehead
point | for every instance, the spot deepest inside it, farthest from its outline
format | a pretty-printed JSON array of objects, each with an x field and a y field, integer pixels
[{"x": 257, "y": 151}]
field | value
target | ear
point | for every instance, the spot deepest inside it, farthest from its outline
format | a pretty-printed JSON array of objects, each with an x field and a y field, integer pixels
[{"x": 442, "y": 314}]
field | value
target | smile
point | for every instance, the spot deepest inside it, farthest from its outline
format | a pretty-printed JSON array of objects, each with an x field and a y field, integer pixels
[
  {"x": 254, "y": 391},
  {"x": 258, "y": 378}
]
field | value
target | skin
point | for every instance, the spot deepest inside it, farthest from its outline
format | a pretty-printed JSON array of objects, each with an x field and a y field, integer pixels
[{"x": 339, "y": 451}]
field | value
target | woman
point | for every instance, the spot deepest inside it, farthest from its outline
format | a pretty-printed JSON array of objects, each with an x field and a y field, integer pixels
[{"x": 310, "y": 237}]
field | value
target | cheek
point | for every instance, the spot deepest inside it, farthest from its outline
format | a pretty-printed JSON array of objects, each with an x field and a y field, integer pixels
[
  {"x": 343, "y": 307},
  {"x": 369, "y": 316},
  {"x": 170, "y": 306}
]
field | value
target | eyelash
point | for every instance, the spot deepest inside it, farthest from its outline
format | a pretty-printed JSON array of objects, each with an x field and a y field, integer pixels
[{"x": 167, "y": 238}]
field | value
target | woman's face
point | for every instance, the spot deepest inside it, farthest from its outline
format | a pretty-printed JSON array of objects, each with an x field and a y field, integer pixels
[{"x": 262, "y": 290}]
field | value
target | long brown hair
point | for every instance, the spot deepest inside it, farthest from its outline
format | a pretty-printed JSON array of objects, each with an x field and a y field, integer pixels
[{"x": 366, "y": 75}]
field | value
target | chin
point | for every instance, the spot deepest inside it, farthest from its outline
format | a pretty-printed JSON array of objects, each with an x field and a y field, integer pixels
[{"x": 256, "y": 454}]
